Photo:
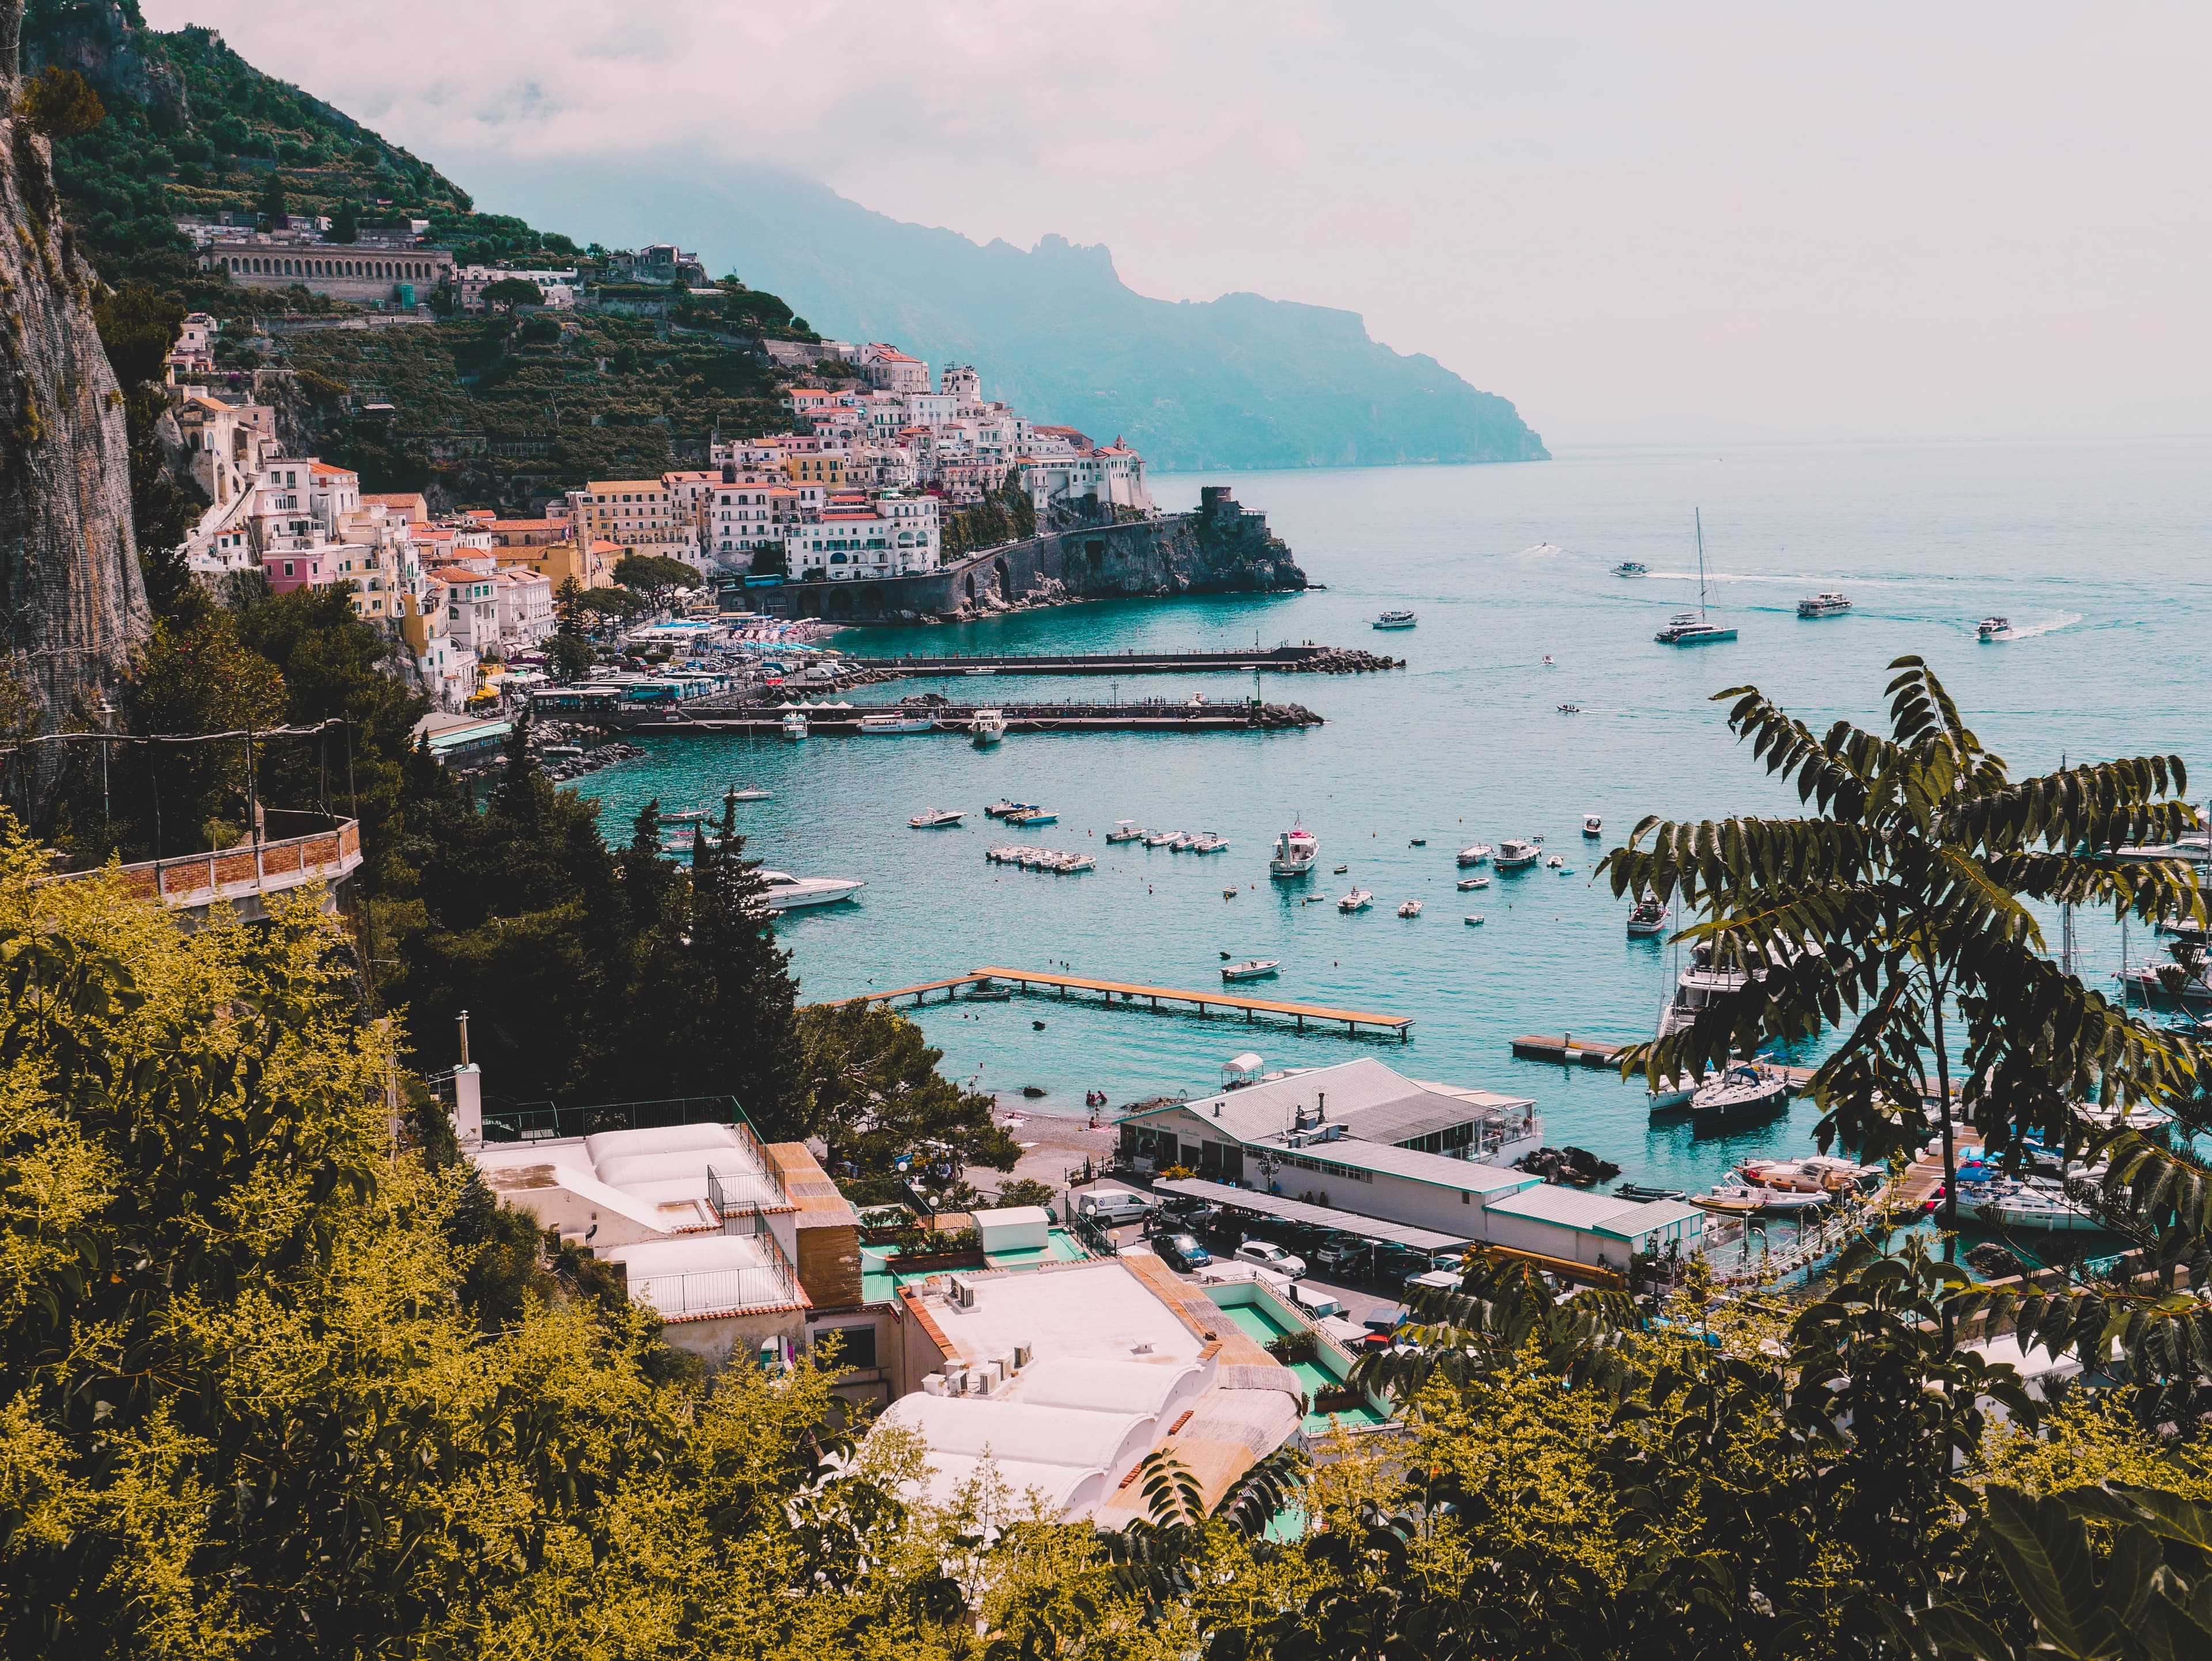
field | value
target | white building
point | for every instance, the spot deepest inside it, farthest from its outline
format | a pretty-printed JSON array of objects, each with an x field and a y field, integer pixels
[
  {"x": 886, "y": 368},
  {"x": 1108, "y": 474},
  {"x": 891, "y": 536}
]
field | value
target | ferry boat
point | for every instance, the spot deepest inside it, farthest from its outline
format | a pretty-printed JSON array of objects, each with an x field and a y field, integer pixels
[
  {"x": 1410, "y": 908},
  {"x": 1125, "y": 831},
  {"x": 1252, "y": 969},
  {"x": 794, "y": 726},
  {"x": 1695, "y": 627},
  {"x": 1993, "y": 627},
  {"x": 1514, "y": 853},
  {"x": 786, "y": 892},
  {"x": 1745, "y": 1091},
  {"x": 1825, "y": 604},
  {"x": 1296, "y": 850},
  {"x": 1474, "y": 853},
  {"x": 987, "y": 727},
  {"x": 1648, "y": 918},
  {"x": 937, "y": 819},
  {"x": 1631, "y": 567},
  {"x": 1396, "y": 620},
  {"x": 1593, "y": 825},
  {"x": 890, "y": 726},
  {"x": 1358, "y": 900}
]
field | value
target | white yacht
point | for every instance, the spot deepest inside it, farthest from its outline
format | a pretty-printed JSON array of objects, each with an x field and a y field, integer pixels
[
  {"x": 1695, "y": 627},
  {"x": 1514, "y": 853},
  {"x": 2037, "y": 1203},
  {"x": 1296, "y": 850},
  {"x": 938, "y": 818},
  {"x": 1825, "y": 604},
  {"x": 788, "y": 893},
  {"x": 890, "y": 724},
  {"x": 1993, "y": 628},
  {"x": 1396, "y": 620},
  {"x": 794, "y": 726},
  {"x": 1358, "y": 900},
  {"x": 1474, "y": 853},
  {"x": 987, "y": 727}
]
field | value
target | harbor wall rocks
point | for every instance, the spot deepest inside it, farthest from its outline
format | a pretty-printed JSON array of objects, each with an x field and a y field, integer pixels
[{"x": 1221, "y": 549}]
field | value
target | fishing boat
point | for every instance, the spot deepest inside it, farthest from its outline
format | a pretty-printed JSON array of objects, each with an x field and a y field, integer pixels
[
  {"x": 1825, "y": 604},
  {"x": 1593, "y": 825},
  {"x": 1252, "y": 969},
  {"x": 1160, "y": 838},
  {"x": 1211, "y": 843},
  {"x": 1396, "y": 620},
  {"x": 1993, "y": 627},
  {"x": 937, "y": 819},
  {"x": 1475, "y": 919},
  {"x": 1514, "y": 853},
  {"x": 1648, "y": 918},
  {"x": 1745, "y": 1091},
  {"x": 1631, "y": 567},
  {"x": 1410, "y": 908},
  {"x": 1125, "y": 831},
  {"x": 1695, "y": 627},
  {"x": 1358, "y": 900},
  {"x": 1468, "y": 883},
  {"x": 781, "y": 891},
  {"x": 987, "y": 727},
  {"x": 794, "y": 726},
  {"x": 890, "y": 725},
  {"x": 1032, "y": 815},
  {"x": 1296, "y": 850}
]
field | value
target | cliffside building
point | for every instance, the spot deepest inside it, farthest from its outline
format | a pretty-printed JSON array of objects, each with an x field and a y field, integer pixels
[{"x": 399, "y": 272}]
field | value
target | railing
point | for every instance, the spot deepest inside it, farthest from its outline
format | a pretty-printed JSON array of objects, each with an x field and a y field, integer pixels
[
  {"x": 329, "y": 853},
  {"x": 773, "y": 1282}
]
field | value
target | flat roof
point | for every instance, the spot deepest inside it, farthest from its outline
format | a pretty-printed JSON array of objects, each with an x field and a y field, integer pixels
[
  {"x": 1438, "y": 1170},
  {"x": 1321, "y": 1216},
  {"x": 1099, "y": 1311},
  {"x": 1371, "y": 1101},
  {"x": 1599, "y": 1213}
]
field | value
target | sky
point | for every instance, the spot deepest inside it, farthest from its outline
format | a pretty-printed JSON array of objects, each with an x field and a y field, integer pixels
[{"x": 1641, "y": 224}]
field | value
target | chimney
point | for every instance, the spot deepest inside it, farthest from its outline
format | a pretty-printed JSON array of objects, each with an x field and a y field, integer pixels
[
  {"x": 1321, "y": 1113},
  {"x": 468, "y": 1095}
]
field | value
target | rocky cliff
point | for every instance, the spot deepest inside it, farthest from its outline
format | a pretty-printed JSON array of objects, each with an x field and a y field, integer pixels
[{"x": 72, "y": 604}]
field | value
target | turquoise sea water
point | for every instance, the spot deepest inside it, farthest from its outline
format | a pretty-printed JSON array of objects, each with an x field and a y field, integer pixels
[{"x": 2096, "y": 551}]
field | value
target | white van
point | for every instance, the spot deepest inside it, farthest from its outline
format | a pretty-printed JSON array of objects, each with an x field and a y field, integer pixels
[{"x": 1114, "y": 1206}]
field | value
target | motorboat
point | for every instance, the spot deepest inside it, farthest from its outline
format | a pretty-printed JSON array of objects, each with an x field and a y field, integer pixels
[
  {"x": 1210, "y": 843},
  {"x": 987, "y": 727},
  {"x": 1296, "y": 850},
  {"x": 1475, "y": 919},
  {"x": 1125, "y": 831},
  {"x": 1631, "y": 567},
  {"x": 1003, "y": 808},
  {"x": 1817, "y": 1173},
  {"x": 1570, "y": 708},
  {"x": 1468, "y": 883},
  {"x": 891, "y": 725},
  {"x": 1475, "y": 853},
  {"x": 1252, "y": 969},
  {"x": 1695, "y": 627},
  {"x": 1730, "y": 1199},
  {"x": 1745, "y": 1091},
  {"x": 1548, "y": 662},
  {"x": 781, "y": 891},
  {"x": 749, "y": 795},
  {"x": 1032, "y": 815},
  {"x": 937, "y": 819},
  {"x": 1644, "y": 1194},
  {"x": 2037, "y": 1203},
  {"x": 1418, "y": 842},
  {"x": 794, "y": 726},
  {"x": 1993, "y": 627},
  {"x": 1396, "y": 620},
  {"x": 1825, "y": 604},
  {"x": 1069, "y": 865},
  {"x": 1358, "y": 900},
  {"x": 1648, "y": 918},
  {"x": 1556, "y": 862},
  {"x": 1516, "y": 854},
  {"x": 1410, "y": 908},
  {"x": 986, "y": 669},
  {"x": 1160, "y": 838},
  {"x": 1182, "y": 842},
  {"x": 1593, "y": 825}
]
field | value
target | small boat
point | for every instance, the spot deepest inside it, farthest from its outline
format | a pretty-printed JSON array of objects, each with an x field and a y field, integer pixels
[
  {"x": 1646, "y": 1194},
  {"x": 1228, "y": 894},
  {"x": 1341, "y": 869},
  {"x": 1547, "y": 662},
  {"x": 1003, "y": 808},
  {"x": 794, "y": 726},
  {"x": 1160, "y": 838},
  {"x": 1593, "y": 825},
  {"x": 937, "y": 819},
  {"x": 1069, "y": 865},
  {"x": 1396, "y": 620},
  {"x": 1296, "y": 849},
  {"x": 890, "y": 726},
  {"x": 1730, "y": 1199},
  {"x": 1570, "y": 708},
  {"x": 749, "y": 795},
  {"x": 1474, "y": 853},
  {"x": 988, "y": 669},
  {"x": 1358, "y": 900},
  {"x": 1475, "y": 919},
  {"x": 1993, "y": 627},
  {"x": 1631, "y": 567},
  {"x": 1556, "y": 862},
  {"x": 1030, "y": 815},
  {"x": 1419, "y": 841},
  {"x": 1514, "y": 853},
  {"x": 1125, "y": 831},
  {"x": 1252, "y": 969},
  {"x": 1210, "y": 843},
  {"x": 1745, "y": 1091},
  {"x": 987, "y": 727},
  {"x": 988, "y": 992},
  {"x": 1410, "y": 908},
  {"x": 1825, "y": 604},
  {"x": 1648, "y": 918},
  {"x": 1182, "y": 842},
  {"x": 1467, "y": 883}
]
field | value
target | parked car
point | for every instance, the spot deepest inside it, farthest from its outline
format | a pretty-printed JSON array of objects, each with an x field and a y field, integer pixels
[
  {"x": 1453, "y": 1261},
  {"x": 1188, "y": 1212},
  {"x": 1342, "y": 1255},
  {"x": 1268, "y": 1255},
  {"x": 1113, "y": 1206},
  {"x": 1181, "y": 1251},
  {"x": 1317, "y": 1304}
]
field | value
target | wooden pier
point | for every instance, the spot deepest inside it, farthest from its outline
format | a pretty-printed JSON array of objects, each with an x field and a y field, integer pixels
[
  {"x": 1563, "y": 1050},
  {"x": 1127, "y": 994}
]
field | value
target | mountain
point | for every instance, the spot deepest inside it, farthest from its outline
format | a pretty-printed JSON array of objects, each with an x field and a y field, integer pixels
[{"x": 1241, "y": 381}]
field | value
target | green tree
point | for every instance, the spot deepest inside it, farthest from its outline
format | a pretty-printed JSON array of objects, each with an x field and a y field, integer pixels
[
  {"x": 570, "y": 648},
  {"x": 661, "y": 581},
  {"x": 511, "y": 291},
  {"x": 345, "y": 223},
  {"x": 271, "y": 204},
  {"x": 1899, "y": 910},
  {"x": 875, "y": 1095}
]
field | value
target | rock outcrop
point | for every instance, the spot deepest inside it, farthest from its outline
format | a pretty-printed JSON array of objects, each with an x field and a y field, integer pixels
[{"x": 72, "y": 604}]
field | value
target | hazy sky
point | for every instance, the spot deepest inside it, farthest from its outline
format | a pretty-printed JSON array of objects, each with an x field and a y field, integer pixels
[{"x": 1638, "y": 221}]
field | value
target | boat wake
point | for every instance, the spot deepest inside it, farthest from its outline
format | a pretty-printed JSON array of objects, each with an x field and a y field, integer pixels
[
  {"x": 2030, "y": 631},
  {"x": 1540, "y": 550}
]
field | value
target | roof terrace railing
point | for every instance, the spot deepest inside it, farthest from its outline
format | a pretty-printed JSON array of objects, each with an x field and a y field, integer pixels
[
  {"x": 771, "y": 1284},
  {"x": 543, "y": 1121}
]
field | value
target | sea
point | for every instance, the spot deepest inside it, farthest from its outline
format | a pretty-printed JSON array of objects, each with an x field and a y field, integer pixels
[{"x": 2096, "y": 551}]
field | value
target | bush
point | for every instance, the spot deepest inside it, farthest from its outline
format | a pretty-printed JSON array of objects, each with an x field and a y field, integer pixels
[{"x": 59, "y": 103}]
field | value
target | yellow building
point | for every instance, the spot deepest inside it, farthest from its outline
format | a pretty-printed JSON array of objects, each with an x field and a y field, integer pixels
[
  {"x": 828, "y": 467},
  {"x": 557, "y": 561}
]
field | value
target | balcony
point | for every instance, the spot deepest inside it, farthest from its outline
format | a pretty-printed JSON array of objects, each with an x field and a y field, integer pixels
[{"x": 297, "y": 851}]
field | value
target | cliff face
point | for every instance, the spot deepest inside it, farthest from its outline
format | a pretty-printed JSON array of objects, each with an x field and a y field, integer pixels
[{"x": 71, "y": 602}]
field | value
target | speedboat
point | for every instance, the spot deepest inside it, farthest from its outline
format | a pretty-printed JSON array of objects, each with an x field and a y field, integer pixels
[
  {"x": 1296, "y": 850},
  {"x": 1211, "y": 843},
  {"x": 1816, "y": 1173},
  {"x": 1648, "y": 918},
  {"x": 1125, "y": 831},
  {"x": 1358, "y": 900},
  {"x": 785, "y": 892},
  {"x": 890, "y": 726},
  {"x": 1410, "y": 908},
  {"x": 1516, "y": 854},
  {"x": 1069, "y": 865},
  {"x": 1475, "y": 919},
  {"x": 1474, "y": 853},
  {"x": 1182, "y": 842},
  {"x": 1745, "y": 1091},
  {"x": 1467, "y": 883},
  {"x": 1593, "y": 825},
  {"x": 1570, "y": 708},
  {"x": 1003, "y": 808},
  {"x": 937, "y": 819},
  {"x": 1993, "y": 627},
  {"x": 1032, "y": 815},
  {"x": 1396, "y": 620},
  {"x": 1252, "y": 969},
  {"x": 1160, "y": 838},
  {"x": 1547, "y": 662},
  {"x": 1825, "y": 604},
  {"x": 794, "y": 726},
  {"x": 987, "y": 727},
  {"x": 1631, "y": 567},
  {"x": 1643, "y": 1193}
]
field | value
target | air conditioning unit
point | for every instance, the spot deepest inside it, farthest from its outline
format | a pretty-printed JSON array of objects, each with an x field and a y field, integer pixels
[
  {"x": 979, "y": 1383},
  {"x": 933, "y": 1385},
  {"x": 955, "y": 1379},
  {"x": 1024, "y": 1353},
  {"x": 961, "y": 1294},
  {"x": 992, "y": 1377}
]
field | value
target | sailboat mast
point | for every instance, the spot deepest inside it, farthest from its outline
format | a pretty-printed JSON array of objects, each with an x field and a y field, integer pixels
[{"x": 1701, "y": 560}]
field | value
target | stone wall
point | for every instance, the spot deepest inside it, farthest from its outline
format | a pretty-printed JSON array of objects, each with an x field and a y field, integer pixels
[{"x": 1221, "y": 549}]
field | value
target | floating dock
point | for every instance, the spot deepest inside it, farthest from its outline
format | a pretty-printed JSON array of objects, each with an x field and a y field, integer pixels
[
  {"x": 1127, "y": 994},
  {"x": 1564, "y": 1051},
  {"x": 1284, "y": 659}
]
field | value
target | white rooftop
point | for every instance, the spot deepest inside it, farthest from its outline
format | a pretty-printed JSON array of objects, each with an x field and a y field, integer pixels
[
  {"x": 701, "y": 1276},
  {"x": 655, "y": 1179},
  {"x": 1369, "y": 1100},
  {"x": 1097, "y": 1310},
  {"x": 1604, "y": 1214}
]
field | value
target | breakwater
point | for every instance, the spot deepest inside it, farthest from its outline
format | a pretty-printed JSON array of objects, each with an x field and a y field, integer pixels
[
  {"x": 843, "y": 720},
  {"x": 1307, "y": 659}
]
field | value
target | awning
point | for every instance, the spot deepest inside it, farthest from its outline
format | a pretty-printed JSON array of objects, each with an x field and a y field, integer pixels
[{"x": 1319, "y": 1216}]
